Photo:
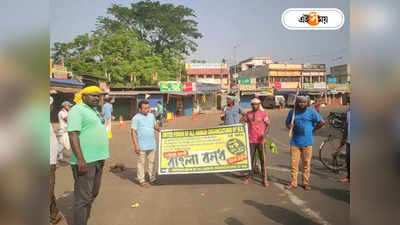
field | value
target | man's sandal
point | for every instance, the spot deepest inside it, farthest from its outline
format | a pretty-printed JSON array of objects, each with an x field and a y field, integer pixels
[
  {"x": 144, "y": 184},
  {"x": 290, "y": 186}
]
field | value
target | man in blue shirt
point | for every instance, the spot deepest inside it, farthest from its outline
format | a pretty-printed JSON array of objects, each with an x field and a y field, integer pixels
[
  {"x": 143, "y": 129},
  {"x": 306, "y": 121},
  {"x": 231, "y": 113},
  {"x": 107, "y": 113}
]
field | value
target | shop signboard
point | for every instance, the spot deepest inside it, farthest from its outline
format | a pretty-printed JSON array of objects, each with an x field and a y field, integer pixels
[{"x": 170, "y": 86}]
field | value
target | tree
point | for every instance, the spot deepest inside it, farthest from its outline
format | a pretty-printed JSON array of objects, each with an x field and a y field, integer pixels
[
  {"x": 164, "y": 26},
  {"x": 145, "y": 39}
]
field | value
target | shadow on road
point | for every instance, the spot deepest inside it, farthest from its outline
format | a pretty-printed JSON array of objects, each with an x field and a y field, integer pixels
[
  {"x": 338, "y": 194},
  {"x": 193, "y": 179},
  {"x": 280, "y": 215},
  {"x": 233, "y": 221},
  {"x": 182, "y": 179},
  {"x": 64, "y": 204}
]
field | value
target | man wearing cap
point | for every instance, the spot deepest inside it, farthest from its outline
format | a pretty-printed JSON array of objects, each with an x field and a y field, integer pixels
[
  {"x": 306, "y": 121},
  {"x": 62, "y": 131},
  {"x": 89, "y": 144},
  {"x": 232, "y": 113},
  {"x": 258, "y": 127}
]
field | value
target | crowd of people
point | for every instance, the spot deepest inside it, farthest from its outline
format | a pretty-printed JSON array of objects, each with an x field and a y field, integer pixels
[{"x": 84, "y": 130}]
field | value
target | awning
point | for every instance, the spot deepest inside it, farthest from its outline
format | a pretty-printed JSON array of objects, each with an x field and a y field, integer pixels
[
  {"x": 288, "y": 92},
  {"x": 69, "y": 90}
]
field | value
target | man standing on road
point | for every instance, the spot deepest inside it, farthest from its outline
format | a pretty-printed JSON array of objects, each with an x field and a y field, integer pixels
[
  {"x": 89, "y": 144},
  {"x": 62, "y": 131},
  {"x": 107, "y": 113},
  {"x": 232, "y": 113},
  {"x": 258, "y": 123},
  {"x": 143, "y": 129},
  {"x": 55, "y": 214},
  {"x": 306, "y": 121}
]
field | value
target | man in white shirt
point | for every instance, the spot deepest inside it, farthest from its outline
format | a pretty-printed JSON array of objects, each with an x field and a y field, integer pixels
[
  {"x": 62, "y": 133},
  {"x": 55, "y": 214}
]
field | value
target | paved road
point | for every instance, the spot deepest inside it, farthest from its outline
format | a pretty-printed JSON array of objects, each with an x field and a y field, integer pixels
[{"x": 213, "y": 198}]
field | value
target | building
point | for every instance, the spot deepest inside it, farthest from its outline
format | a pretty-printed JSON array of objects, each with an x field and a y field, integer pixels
[
  {"x": 208, "y": 73},
  {"x": 341, "y": 74},
  {"x": 285, "y": 76},
  {"x": 254, "y": 78},
  {"x": 250, "y": 63}
]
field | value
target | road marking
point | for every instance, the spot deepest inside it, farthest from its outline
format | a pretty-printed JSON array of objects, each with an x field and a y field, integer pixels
[{"x": 302, "y": 205}]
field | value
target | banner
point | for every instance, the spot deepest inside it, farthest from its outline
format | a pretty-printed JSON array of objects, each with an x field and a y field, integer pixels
[
  {"x": 210, "y": 150},
  {"x": 244, "y": 80},
  {"x": 187, "y": 87},
  {"x": 170, "y": 86}
]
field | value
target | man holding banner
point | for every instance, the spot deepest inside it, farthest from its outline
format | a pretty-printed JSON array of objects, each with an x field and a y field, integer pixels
[{"x": 258, "y": 123}]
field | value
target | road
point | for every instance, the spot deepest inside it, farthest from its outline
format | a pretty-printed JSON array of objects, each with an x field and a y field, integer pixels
[{"x": 212, "y": 198}]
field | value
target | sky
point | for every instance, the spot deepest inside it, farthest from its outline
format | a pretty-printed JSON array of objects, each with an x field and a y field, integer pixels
[{"x": 254, "y": 26}]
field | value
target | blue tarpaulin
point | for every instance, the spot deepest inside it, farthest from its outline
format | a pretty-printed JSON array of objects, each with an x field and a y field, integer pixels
[{"x": 62, "y": 81}]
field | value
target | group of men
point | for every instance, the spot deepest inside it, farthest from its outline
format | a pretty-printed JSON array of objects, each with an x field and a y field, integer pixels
[
  {"x": 302, "y": 120},
  {"x": 87, "y": 134}
]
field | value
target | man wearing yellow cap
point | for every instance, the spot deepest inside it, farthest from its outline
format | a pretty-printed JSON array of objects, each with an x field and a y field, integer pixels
[{"x": 89, "y": 143}]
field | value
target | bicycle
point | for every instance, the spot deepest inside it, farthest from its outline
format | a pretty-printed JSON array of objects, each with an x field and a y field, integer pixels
[{"x": 332, "y": 153}]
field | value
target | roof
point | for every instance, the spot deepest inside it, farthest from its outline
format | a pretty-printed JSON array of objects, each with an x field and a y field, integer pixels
[
  {"x": 91, "y": 76},
  {"x": 134, "y": 93},
  {"x": 70, "y": 82},
  {"x": 207, "y": 71},
  {"x": 254, "y": 58},
  {"x": 258, "y": 71}
]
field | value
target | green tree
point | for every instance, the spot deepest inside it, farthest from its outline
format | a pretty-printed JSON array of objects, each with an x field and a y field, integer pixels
[
  {"x": 145, "y": 39},
  {"x": 163, "y": 26}
]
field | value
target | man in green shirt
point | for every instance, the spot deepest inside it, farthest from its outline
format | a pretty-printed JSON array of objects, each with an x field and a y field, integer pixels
[{"x": 89, "y": 144}]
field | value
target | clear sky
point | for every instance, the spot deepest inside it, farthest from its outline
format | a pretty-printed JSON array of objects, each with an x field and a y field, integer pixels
[{"x": 254, "y": 25}]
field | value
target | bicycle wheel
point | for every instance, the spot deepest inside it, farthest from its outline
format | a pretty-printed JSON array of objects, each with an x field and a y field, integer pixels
[{"x": 332, "y": 154}]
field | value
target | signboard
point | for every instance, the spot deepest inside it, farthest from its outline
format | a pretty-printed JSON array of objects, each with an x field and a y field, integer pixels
[
  {"x": 244, "y": 87},
  {"x": 332, "y": 80},
  {"x": 170, "y": 86},
  {"x": 60, "y": 72},
  {"x": 210, "y": 150},
  {"x": 205, "y": 66},
  {"x": 308, "y": 85},
  {"x": 320, "y": 85},
  {"x": 290, "y": 85},
  {"x": 275, "y": 84},
  {"x": 188, "y": 86},
  {"x": 244, "y": 80},
  {"x": 209, "y": 80}
]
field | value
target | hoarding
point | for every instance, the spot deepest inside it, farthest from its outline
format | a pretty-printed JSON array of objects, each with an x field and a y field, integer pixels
[{"x": 170, "y": 86}]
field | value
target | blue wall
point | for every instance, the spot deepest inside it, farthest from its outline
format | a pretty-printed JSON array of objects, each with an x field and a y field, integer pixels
[{"x": 153, "y": 99}]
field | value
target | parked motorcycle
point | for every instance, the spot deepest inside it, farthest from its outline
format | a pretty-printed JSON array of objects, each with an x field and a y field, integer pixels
[{"x": 337, "y": 119}]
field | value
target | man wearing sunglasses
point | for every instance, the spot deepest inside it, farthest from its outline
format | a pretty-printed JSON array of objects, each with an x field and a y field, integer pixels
[
  {"x": 89, "y": 144},
  {"x": 258, "y": 127}
]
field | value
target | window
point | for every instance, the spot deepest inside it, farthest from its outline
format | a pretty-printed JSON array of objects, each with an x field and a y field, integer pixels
[
  {"x": 201, "y": 76},
  {"x": 209, "y": 76},
  {"x": 314, "y": 79},
  {"x": 225, "y": 76}
]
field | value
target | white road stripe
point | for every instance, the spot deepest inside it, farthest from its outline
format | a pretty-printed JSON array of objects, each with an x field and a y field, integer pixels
[{"x": 302, "y": 205}]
